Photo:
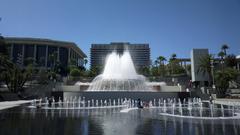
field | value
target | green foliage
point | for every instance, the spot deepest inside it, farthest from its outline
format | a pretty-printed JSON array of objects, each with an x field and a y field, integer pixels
[
  {"x": 174, "y": 68},
  {"x": 53, "y": 59},
  {"x": 29, "y": 60},
  {"x": 224, "y": 48},
  {"x": 85, "y": 62},
  {"x": 173, "y": 57},
  {"x": 154, "y": 71},
  {"x": 231, "y": 61},
  {"x": 144, "y": 71},
  {"x": 96, "y": 70},
  {"x": 43, "y": 76},
  {"x": 188, "y": 70},
  {"x": 204, "y": 66},
  {"x": 223, "y": 77},
  {"x": 13, "y": 76},
  {"x": 3, "y": 47},
  {"x": 75, "y": 72},
  {"x": 52, "y": 75}
]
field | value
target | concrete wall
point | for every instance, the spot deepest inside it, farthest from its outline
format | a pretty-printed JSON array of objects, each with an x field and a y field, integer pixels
[
  {"x": 170, "y": 89},
  {"x": 85, "y": 87},
  {"x": 145, "y": 96}
]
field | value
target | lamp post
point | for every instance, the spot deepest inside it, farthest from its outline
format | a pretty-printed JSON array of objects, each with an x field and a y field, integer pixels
[{"x": 212, "y": 66}]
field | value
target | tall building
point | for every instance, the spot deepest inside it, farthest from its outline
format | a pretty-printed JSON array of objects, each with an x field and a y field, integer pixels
[
  {"x": 140, "y": 53},
  {"x": 40, "y": 50},
  {"x": 196, "y": 56}
]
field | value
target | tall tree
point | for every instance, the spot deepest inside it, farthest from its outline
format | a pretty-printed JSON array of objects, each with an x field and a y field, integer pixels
[
  {"x": 221, "y": 55},
  {"x": 85, "y": 62},
  {"x": 223, "y": 78},
  {"x": 161, "y": 60},
  {"x": 12, "y": 75},
  {"x": 173, "y": 56},
  {"x": 224, "y": 48},
  {"x": 231, "y": 61},
  {"x": 3, "y": 47},
  {"x": 204, "y": 66},
  {"x": 161, "y": 67}
]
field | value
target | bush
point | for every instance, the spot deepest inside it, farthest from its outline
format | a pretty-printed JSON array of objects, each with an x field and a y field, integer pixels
[
  {"x": 75, "y": 72},
  {"x": 43, "y": 76},
  {"x": 222, "y": 80}
]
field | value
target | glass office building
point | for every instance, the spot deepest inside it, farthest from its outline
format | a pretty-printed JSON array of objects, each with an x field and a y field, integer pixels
[{"x": 140, "y": 53}]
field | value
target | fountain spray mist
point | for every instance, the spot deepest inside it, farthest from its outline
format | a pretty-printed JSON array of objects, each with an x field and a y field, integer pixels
[{"x": 119, "y": 75}]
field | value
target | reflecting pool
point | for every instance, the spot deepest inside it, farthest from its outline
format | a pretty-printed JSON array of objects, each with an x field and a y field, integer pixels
[{"x": 107, "y": 121}]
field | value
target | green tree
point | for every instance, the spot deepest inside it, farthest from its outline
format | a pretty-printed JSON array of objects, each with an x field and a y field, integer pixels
[
  {"x": 173, "y": 56},
  {"x": 161, "y": 68},
  {"x": 224, "y": 48},
  {"x": 144, "y": 71},
  {"x": 161, "y": 60},
  {"x": 231, "y": 61},
  {"x": 75, "y": 72},
  {"x": 29, "y": 60},
  {"x": 85, "y": 62},
  {"x": 173, "y": 66},
  {"x": 43, "y": 76},
  {"x": 204, "y": 66},
  {"x": 3, "y": 47},
  {"x": 53, "y": 59},
  {"x": 221, "y": 55},
  {"x": 15, "y": 78},
  {"x": 95, "y": 70},
  {"x": 154, "y": 71},
  {"x": 223, "y": 77}
]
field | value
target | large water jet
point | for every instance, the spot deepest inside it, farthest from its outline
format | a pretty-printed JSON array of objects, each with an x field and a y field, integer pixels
[{"x": 119, "y": 75}]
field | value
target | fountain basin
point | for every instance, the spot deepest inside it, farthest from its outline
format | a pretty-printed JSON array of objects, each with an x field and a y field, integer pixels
[{"x": 143, "y": 95}]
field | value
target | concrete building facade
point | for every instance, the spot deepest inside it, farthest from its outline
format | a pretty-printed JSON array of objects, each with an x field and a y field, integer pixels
[
  {"x": 140, "y": 53},
  {"x": 196, "y": 55},
  {"x": 20, "y": 49}
]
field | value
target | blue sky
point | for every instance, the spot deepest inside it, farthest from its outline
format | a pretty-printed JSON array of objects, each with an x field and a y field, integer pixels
[{"x": 169, "y": 26}]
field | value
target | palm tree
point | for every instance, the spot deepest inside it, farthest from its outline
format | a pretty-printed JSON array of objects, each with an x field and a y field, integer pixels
[
  {"x": 156, "y": 62},
  {"x": 205, "y": 65},
  {"x": 224, "y": 48},
  {"x": 161, "y": 59},
  {"x": 85, "y": 62},
  {"x": 161, "y": 67},
  {"x": 221, "y": 55},
  {"x": 173, "y": 56}
]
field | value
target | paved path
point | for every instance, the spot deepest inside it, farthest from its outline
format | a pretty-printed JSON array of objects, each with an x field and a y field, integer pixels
[
  {"x": 10, "y": 104},
  {"x": 225, "y": 101}
]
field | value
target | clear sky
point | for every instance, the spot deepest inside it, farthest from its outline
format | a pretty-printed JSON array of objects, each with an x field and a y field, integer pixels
[{"x": 169, "y": 26}]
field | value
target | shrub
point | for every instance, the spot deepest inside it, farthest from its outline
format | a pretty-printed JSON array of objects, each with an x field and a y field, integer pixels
[{"x": 75, "y": 72}]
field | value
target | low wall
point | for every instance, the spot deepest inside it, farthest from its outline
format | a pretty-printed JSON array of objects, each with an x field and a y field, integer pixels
[
  {"x": 145, "y": 96},
  {"x": 158, "y": 88}
]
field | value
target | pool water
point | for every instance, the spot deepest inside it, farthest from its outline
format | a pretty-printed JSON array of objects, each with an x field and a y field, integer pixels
[{"x": 28, "y": 121}]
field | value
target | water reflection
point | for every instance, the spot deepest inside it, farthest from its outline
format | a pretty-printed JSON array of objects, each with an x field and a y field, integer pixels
[{"x": 22, "y": 121}]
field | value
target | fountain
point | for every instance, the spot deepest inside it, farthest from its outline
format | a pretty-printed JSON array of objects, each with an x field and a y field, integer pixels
[
  {"x": 119, "y": 75},
  {"x": 119, "y": 79}
]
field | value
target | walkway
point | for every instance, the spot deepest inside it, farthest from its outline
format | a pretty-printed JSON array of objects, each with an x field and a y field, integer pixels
[
  {"x": 225, "y": 101},
  {"x": 10, "y": 104}
]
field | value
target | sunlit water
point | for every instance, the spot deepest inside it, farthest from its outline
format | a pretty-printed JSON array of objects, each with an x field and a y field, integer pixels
[
  {"x": 26, "y": 121},
  {"x": 119, "y": 75}
]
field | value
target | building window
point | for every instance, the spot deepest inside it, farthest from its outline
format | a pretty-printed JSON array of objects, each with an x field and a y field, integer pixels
[
  {"x": 17, "y": 53},
  {"x": 41, "y": 55}
]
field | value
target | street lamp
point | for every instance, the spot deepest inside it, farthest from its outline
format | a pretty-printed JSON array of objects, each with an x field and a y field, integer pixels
[{"x": 212, "y": 66}]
